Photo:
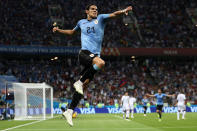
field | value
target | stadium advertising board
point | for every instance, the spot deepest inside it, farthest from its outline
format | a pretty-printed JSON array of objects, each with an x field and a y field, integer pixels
[
  {"x": 106, "y": 110},
  {"x": 39, "y": 50},
  {"x": 50, "y": 50},
  {"x": 137, "y": 110}
]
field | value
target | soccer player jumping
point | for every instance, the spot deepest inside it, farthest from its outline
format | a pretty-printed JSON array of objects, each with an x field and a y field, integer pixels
[
  {"x": 92, "y": 32},
  {"x": 159, "y": 96}
]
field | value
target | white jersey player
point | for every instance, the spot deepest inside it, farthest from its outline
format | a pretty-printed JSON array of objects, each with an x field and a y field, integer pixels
[
  {"x": 132, "y": 102},
  {"x": 181, "y": 99},
  {"x": 125, "y": 105}
]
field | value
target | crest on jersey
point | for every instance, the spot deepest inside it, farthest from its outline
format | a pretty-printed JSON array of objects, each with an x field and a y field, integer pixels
[
  {"x": 96, "y": 21},
  {"x": 91, "y": 55}
]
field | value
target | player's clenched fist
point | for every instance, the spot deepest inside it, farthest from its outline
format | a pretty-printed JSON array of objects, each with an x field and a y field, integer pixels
[
  {"x": 129, "y": 8},
  {"x": 55, "y": 29}
]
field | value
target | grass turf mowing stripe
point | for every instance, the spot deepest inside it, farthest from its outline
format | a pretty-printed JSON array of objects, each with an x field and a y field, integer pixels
[
  {"x": 121, "y": 118},
  {"x": 22, "y": 125},
  {"x": 11, "y": 128},
  {"x": 114, "y": 122},
  {"x": 55, "y": 129}
]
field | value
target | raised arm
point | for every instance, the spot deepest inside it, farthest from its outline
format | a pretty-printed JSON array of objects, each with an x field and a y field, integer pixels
[
  {"x": 170, "y": 95},
  {"x": 150, "y": 95},
  {"x": 125, "y": 11},
  {"x": 67, "y": 32}
]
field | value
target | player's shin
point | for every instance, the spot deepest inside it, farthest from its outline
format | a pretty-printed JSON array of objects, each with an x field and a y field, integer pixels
[
  {"x": 123, "y": 114},
  {"x": 75, "y": 100},
  {"x": 132, "y": 111},
  {"x": 127, "y": 114},
  {"x": 160, "y": 114},
  {"x": 183, "y": 116},
  {"x": 178, "y": 113}
]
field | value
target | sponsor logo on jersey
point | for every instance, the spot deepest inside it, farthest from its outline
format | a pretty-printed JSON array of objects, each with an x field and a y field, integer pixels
[
  {"x": 91, "y": 55},
  {"x": 96, "y": 21}
]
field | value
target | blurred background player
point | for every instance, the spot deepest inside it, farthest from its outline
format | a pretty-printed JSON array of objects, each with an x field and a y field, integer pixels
[
  {"x": 144, "y": 103},
  {"x": 159, "y": 98},
  {"x": 132, "y": 101},
  {"x": 125, "y": 105},
  {"x": 181, "y": 101},
  {"x": 92, "y": 32}
]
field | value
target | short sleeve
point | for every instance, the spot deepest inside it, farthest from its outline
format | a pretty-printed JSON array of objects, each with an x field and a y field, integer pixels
[
  {"x": 184, "y": 97},
  {"x": 155, "y": 95},
  {"x": 77, "y": 26},
  {"x": 103, "y": 16},
  {"x": 164, "y": 94},
  {"x": 122, "y": 99}
]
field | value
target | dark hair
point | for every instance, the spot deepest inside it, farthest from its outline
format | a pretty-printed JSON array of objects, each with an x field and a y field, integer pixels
[{"x": 88, "y": 6}]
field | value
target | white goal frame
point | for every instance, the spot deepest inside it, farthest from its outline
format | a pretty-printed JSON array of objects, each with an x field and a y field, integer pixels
[{"x": 33, "y": 101}]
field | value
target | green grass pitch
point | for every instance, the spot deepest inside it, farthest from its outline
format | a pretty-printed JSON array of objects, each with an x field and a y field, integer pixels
[{"x": 107, "y": 122}]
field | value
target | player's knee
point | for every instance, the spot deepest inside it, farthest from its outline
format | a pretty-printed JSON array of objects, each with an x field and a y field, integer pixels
[
  {"x": 99, "y": 65},
  {"x": 99, "y": 62},
  {"x": 102, "y": 63}
]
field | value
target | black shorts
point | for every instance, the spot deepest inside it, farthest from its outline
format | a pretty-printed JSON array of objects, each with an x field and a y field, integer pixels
[
  {"x": 85, "y": 58},
  {"x": 159, "y": 107},
  {"x": 145, "y": 107}
]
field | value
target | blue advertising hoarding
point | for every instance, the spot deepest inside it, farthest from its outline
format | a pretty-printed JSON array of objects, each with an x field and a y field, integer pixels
[
  {"x": 105, "y": 110},
  {"x": 62, "y": 50}
]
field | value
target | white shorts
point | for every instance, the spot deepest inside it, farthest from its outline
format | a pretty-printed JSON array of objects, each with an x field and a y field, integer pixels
[
  {"x": 181, "y": 107},
  {"x": 125, "y": 108},
  {"x": 132, "y": 107}
]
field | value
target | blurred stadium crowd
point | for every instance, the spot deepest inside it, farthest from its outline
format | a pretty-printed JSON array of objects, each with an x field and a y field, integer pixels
[
  {"x": 162, "y": 23},
  {"x": 144, "y": 75}
]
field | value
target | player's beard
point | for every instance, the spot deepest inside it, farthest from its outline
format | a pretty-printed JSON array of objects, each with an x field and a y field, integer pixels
[{"x": 94, "y": 16}]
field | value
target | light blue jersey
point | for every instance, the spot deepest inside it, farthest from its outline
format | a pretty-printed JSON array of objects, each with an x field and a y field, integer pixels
[
  {"x": 159, "y": 98},
  {"x": 92, "y": 33},
  {"x": 144, "y": 102}
]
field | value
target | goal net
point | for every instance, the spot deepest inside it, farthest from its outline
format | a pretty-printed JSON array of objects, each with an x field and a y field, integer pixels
[{"x": 33, "y": 101}]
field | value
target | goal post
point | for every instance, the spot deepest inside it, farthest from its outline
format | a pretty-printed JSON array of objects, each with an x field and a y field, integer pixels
[{"x": 33, "y": 101}]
